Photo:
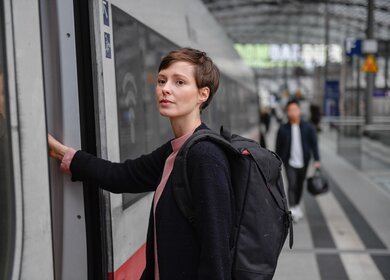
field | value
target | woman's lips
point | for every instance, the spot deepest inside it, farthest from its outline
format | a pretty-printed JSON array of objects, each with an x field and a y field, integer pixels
[{"x": 164, "y": 101}]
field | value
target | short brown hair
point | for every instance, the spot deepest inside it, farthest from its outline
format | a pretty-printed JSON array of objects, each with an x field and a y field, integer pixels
[{"x": 206, "y": 72}]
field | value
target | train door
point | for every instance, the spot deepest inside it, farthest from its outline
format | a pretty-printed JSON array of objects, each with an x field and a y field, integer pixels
[
  {"x": 80, "y": 225},
  {"x": 63, "y": 122},
  {"x": 25, "y": 219}
]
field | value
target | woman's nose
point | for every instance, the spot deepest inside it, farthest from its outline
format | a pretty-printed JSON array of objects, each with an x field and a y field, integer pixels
[{"x": 166, "y": 89}]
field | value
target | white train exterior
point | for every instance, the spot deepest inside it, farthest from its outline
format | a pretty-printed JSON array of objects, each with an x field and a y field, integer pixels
[{"x": 84, "y": 71}]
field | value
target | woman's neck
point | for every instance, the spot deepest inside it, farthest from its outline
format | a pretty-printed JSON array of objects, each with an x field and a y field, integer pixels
[{"x": 184, "y": 125}]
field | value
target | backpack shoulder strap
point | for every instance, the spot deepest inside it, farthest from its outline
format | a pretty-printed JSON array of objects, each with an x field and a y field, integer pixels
[{"x": 181, "y": 187}]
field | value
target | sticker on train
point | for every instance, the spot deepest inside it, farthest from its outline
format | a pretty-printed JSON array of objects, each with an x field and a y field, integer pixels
[
  {"x": 106, "y": 13},
  {"x": 107, "y": 44}
]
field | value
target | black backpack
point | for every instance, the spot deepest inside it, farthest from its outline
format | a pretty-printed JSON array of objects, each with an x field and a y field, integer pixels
[{"x": 262, "y": 218}]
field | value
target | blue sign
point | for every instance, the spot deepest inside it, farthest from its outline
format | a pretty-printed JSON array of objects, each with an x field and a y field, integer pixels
[
  {"x": 331, "y": 98},
  {"x": 380, "y": 93},
  {"x": 353, "y": 47},
  {"x": 106, "y": 13},
  {"x": 107, "y": 44}
]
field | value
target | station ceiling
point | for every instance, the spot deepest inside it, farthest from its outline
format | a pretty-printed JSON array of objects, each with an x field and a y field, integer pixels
[{"x": 298, "y": 21}]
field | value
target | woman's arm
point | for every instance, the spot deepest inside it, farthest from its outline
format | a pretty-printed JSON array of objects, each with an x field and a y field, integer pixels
[
  {"x": 133, "y": 176},
  {"x": 210, "y": 182}
]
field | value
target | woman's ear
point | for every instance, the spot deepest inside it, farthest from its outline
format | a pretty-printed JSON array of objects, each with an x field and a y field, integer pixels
[{"x": 204, "y": 94}]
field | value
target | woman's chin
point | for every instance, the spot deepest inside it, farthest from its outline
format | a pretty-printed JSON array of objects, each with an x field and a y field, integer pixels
[{"x": 166, "y": 113}]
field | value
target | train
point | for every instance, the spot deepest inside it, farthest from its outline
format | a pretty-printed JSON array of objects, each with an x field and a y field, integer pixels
[{"x": 85, "y": 72}]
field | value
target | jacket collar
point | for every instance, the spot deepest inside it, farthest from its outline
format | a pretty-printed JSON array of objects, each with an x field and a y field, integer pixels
[{"x": 201, "y": 126}]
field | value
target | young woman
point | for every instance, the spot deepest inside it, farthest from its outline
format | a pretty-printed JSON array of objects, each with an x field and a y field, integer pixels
[{"x": 186, "y": 83}]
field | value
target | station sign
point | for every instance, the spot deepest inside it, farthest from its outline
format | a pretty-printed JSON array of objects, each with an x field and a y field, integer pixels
[
  {"x": 370, "y": 46},
  {"x": 353, "y": 47},
  {"x": 381, "y": 93},
  {"x": 331, "y": 98},
  {"x": 287, "y": 55},
  {"x": 370, "y": 65}
]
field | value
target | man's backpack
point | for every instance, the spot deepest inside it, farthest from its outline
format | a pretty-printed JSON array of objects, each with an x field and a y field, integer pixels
[{"x": 262, "y": 218}]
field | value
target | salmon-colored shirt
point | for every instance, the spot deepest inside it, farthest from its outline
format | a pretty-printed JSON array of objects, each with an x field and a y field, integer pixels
[{"x": 168, "y": 167}]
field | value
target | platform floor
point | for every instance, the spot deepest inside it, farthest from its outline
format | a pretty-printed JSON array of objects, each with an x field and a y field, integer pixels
[{"x": 345, "y": 233}]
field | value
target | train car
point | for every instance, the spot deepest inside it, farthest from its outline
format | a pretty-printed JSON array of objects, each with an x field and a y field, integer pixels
[{"x": 85, "y": 71}]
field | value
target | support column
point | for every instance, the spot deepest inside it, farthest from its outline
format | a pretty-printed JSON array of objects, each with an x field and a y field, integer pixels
[{"x": 370, "y": 76}]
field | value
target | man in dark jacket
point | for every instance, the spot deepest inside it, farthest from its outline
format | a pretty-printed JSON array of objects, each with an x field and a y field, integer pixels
[{"x": 295, "y": 143}]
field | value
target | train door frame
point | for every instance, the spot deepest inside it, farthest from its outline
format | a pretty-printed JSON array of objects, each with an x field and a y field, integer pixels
[
  {"x": 106, "y": 121},
  {"x": 97, "y": 201}
]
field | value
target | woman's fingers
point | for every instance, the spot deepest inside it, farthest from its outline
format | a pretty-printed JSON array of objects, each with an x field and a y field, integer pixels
[
  {"x": 53, "y": 143},
  {"x": 55, "y": 155},
  {"x": 56, "y": 149}
]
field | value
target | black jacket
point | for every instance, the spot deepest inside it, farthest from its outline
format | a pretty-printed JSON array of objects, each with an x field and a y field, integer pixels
[
  {"x": 309, "y": 142},
  {"x": 184, "y": 252}
]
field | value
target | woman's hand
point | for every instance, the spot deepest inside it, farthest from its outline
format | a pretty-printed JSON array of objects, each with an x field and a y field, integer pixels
[{"x": 56, "y": 149}]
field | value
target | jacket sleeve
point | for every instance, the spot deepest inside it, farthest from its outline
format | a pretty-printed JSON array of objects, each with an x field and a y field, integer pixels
[
  {"x": 210, "y": 182},
  {"x": 314, "y": 143},
  {"x": 132, "y": 176}
]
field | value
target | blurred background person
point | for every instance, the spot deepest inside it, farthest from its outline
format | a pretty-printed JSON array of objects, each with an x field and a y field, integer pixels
[
  {"x": 315, "y": 116},
  {"x": 296, "y": 142}
]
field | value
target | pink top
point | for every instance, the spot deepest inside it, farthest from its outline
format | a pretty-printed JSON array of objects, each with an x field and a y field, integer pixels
[{"x": 168, "y": 167}]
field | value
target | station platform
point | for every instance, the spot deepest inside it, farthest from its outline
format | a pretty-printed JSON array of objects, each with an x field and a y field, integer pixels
[{"x": 345, "y": 233}]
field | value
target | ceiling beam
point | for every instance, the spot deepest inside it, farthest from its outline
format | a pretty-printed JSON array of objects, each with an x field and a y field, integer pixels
[
  {"x": 358, "y": 18},
  {"x": 231, "y": 5}
]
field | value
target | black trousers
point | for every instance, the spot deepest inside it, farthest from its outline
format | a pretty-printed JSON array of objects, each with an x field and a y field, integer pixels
[{"x": 296, "y": 179}]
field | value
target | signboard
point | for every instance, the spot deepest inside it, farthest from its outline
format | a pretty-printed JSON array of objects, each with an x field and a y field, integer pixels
[
  {"x": 380, "y": 93},
  {"x": 106, "y": 13},
  {"x": 353, "y": 47},
  {"x": 331, "y": 98},
  {"x": 370, "y": 46},
  {"x": 287, "y": 55},
  {"x": 107, "y": 44},
  {"x": 370, "y": 65}
]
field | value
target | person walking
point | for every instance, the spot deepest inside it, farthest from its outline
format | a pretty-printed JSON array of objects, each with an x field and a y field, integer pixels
[
  {"x": 296, "y": 143},
  {"x": 186, "y": 83}
]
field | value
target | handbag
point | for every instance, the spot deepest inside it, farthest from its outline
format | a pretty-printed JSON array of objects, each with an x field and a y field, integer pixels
[{"x": 317, "y": 184}]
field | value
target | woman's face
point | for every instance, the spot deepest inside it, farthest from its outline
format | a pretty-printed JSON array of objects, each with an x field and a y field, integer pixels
[{"x": 176, "y": 91}]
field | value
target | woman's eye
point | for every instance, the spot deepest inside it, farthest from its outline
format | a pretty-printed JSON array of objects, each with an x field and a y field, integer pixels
[
  {"x": 180, "y": 82},
  {"x": 160, "y": 82}
]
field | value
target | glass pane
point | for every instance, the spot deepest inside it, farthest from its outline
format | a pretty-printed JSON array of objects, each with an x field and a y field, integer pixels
[
  {"x": 7, "y": 225},
  {"x": 154, "y": 47},
  {"x": 128, "y": 71},
  {"x": 138, "y": 51}
]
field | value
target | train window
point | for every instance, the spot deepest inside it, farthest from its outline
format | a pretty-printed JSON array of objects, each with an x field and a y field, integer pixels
[
  {"x": 138, "y": 51},
  {"x": 154, "y": 47},
  {"x": 128, "y": 71},
  {"x": 7, "y": 212}
]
